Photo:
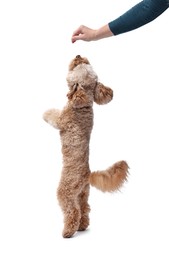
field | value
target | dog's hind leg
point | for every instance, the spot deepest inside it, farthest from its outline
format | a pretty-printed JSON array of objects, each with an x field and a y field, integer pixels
[
  {"x": 71, "y": 221},
  {"x": 84, "y": 208},
  {"x": 71, "y": 212}
]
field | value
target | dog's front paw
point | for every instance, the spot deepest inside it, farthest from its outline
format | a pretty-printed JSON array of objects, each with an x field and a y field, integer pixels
[
  {"x": 47, "y": 115},
  {"x": 51, "y": 116}
]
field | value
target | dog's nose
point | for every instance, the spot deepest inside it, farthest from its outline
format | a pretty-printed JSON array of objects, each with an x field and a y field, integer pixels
[{"x": 78, "y": 57}]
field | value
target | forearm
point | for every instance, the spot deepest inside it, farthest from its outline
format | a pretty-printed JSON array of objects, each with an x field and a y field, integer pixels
[
  {"x": 139, "y": 15},
  {"x": 103, "y": 32}
]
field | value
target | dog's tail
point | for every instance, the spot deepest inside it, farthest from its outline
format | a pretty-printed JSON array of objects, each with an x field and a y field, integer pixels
[{"x": 111, "y": 179}]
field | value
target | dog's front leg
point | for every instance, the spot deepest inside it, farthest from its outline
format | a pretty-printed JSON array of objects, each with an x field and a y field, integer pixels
[{"x": 52, "y": 117}]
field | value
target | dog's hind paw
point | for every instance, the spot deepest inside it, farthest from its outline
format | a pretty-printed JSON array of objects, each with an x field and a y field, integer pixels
[{"x": 68, "y": 233}]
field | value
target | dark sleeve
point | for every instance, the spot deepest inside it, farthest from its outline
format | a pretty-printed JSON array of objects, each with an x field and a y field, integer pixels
[{"x": 139, "y": 15}]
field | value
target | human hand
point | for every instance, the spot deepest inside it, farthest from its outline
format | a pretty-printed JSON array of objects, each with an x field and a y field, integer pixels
[
  {"x": 83, "y": 33},
  {"x": 86, "y": 34}
]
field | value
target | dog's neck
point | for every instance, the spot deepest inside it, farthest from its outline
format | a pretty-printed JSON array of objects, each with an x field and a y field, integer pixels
[{"x": 82, "y": 74}]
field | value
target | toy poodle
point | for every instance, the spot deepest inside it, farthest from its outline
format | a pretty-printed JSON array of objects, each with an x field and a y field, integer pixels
[{"x": 75, "y": 123}]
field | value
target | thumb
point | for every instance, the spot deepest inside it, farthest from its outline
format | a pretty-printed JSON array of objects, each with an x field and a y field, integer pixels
[{"x": 76, "y": 38}]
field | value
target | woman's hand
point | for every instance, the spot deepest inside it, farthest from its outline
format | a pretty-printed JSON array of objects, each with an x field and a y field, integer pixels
[{"x": 87, "y": 34}]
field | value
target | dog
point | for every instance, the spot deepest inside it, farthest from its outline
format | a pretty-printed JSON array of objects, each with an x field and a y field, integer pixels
[{"x": 75, "y": 123}]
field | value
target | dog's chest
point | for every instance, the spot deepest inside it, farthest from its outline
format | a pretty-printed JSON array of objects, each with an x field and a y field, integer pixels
[{"x": 78, "y": 128}]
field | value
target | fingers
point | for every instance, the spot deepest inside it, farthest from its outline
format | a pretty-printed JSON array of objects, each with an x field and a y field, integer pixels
[
  {"x": 76, "y": 38},
  {"x": 83, "y": 33},
  {"x": 78, "y": 31},
  {"x": 77, "y": 34}
]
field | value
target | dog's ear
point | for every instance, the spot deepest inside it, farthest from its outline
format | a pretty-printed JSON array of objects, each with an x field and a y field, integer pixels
[
  {"x": 102, "y": 94},
  {"x": 79, "y": 98}
]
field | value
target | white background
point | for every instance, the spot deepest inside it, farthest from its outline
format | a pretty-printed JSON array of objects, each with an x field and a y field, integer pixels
[{"x": 35, "y": 50}]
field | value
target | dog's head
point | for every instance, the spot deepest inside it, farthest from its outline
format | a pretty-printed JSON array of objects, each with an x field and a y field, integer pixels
[{"x": 84, "y": 87}]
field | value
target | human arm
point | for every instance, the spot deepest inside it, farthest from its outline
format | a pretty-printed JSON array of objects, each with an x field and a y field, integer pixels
[{"x": 139, "y": 15}]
